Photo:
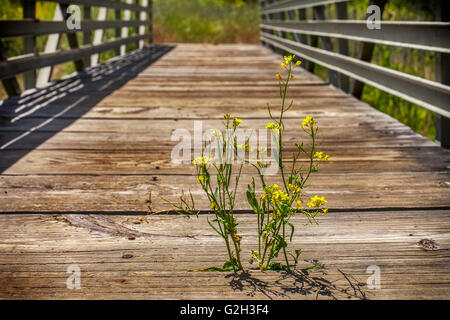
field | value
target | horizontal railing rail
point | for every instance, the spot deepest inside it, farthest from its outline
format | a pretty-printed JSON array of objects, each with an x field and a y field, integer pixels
[
  {"x": 99, "y": 3},
  {"x": 285, "y": 30},
  {"x": 431, "y": 36},
  {"x": 84, "y": 54},
  {"x": 429, "y": 94},
  {"x": 32, "y": 62},
  {"x": 283, "y": 6},
  {"x": 30, "y": 27}
]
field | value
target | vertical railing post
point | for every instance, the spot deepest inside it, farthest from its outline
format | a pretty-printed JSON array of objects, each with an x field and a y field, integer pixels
[
  {"x": 125, "y": 30},
  {"x": 98, "y": 35},
  {"x": 282, "y": 17},
  {"x": 319, "y": 14},
  {"x": 142, "y": 17},
  {"x": 29, "y": 43},
  {"x": 270, "y": 17},
  {"x": 87, "y": 35},
  {"x": 443, "y": 76},
  {"x": 72, "y": 39},
  {"x": 11, "y": 85},
  {"x": 310, "y": 40},
  {"x": 263, "y": 17},
  {"x": 137, "y": 15},
  {"x": 366, "y": 52},
  {"x": 150, "y": 19},
  {"x": 45, "y": 74},
  {"x": 341, "y": 14},
  {"x": 292, "y": 17},
  {"x": 117, "y": 31}
]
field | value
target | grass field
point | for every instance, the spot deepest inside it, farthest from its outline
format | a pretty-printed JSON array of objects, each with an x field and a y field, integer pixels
[
  {"x": 206, "y": 21},
  {"x": 237, "y": 21}
]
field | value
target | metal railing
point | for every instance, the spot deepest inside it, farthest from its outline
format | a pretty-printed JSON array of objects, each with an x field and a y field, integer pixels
[
  {"x": 284, "y": 27},
  {"x": 83, "y": 55}
]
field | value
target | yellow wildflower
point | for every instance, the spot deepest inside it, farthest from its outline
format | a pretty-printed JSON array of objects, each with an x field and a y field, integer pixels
[
  {"x": 316, "y": 202},
  {"x": 261, "y": 150},
  {"x": 298, "y": 204},
  {"x": 236, "y": 122},
  {"x": 283, "y": 65},
  {"x": 201, "y": 178},
  {"x": 308, "y": 121},
  {"x": 298, "y": 63},
  {"x": 294, "y": 188},
  {"x": 201, "y": 160},
  {"x": 325, "y": 210},
  {"x": 263, "y": 197},
  {"x": 279, "y": 196},
  {"x": 278, "y": 75},
  {"x": 213, "y": 205},
  {"x": 321, "y": 156},
  {"x": 272, "y": 126},
  {"x": 289, "y": 59},
  {"x": 292, "y": 77},
  {"x": 273, "y": 214},
  {"x": 216, "y": 133}
]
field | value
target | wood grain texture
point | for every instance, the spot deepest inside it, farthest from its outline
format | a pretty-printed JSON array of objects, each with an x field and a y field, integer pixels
[
  {"x": 78, "y": 158},
  {"x": 37, "y": 249}
]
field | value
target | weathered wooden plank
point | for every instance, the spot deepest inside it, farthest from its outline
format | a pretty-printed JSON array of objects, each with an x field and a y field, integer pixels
[
  {"x": 115, "y": 193},
  {"x": 105, "y": 154},
  {"x": 168, "y": 246}
]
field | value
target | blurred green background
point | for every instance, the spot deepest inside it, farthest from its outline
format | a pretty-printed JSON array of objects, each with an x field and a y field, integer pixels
[{"x": 237, "y": 21}]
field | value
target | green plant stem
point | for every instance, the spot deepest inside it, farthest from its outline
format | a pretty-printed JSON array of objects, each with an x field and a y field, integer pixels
[{"x": 284, "y": 248}]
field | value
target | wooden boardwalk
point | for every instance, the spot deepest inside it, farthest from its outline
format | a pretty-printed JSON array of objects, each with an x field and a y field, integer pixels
[{"x": 79, "y": 157}]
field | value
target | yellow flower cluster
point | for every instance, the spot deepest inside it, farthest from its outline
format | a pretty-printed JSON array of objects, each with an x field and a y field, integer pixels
[
  {"x": 286, "y": 63},
  {"x": 308, "y": 121},
  {"x": 279, "y": 196},
  {"x": 288, "y": 60},
  {"x": 273, "y": 126},
  {"x": 276, "y": 195},
  {"x": 317, "y": 202},
  {"x": 270, "y": 189},
  {"x": 294, "y": 188},
  {"x": 202, "y": 160},
  {"x": 275, "y": 213},
  {"x": 321, "y": 156},
  {"x": 236, "y": 122}
]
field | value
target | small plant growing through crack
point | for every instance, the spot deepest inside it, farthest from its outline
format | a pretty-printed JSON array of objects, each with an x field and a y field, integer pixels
[{"x": 273, "y": 204}]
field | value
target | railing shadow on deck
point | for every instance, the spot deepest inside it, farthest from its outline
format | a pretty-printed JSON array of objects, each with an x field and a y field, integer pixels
[
  {"x": 21, "y": 118},
  {"x": 299, "y": 282}
]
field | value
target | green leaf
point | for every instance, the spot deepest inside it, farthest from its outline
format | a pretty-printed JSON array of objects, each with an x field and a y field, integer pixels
[
  {"x": 292, "y": 230},
  {"x": 313, "y": 266},
  {"x": 214, "y": 228},
  {"x": 251, "y": 198},
  {"x": 275, "y": 266}
]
